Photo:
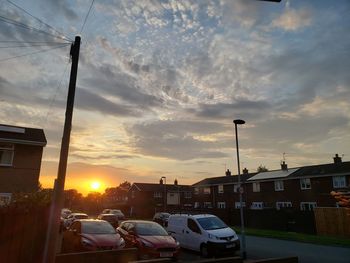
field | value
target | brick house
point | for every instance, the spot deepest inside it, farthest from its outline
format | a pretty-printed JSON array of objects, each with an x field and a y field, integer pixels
[
  {"x": 21, "y": 151},
  {"x": 144, "y": 199},
  {"x": 302, "y": 188},
  {"x": 220, "y": 192}
]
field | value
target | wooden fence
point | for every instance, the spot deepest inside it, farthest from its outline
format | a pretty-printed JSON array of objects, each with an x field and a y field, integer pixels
[
  {"x": 332, "y": 221},
  {"x": 22, "y": 234}
]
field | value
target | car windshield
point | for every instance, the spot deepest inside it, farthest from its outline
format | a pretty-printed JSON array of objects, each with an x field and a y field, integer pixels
[
  {"x": 211, "y": 223},
  {"x": 109, "y": 218},
  {"x": 116, "y": 212},
  {"x": 150, "y": 229},
  {"x": 165, "y": 215},
  {"x": 97, "y": 227}
]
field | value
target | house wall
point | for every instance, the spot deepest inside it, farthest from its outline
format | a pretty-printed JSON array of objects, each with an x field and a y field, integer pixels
[{"x": 23, "y": 175}]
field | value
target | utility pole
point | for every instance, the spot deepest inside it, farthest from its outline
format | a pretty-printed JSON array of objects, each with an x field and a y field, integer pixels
[{"x": 58, "y": 197}]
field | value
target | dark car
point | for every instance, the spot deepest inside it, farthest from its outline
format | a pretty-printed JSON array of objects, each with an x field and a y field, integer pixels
[
  {"x": 150, "y": 239},
  {"x": 91, "y": 235},
  {"x": 117, "y": 212},
  {"x": 161, "y": 218},
  {"x": 110, "y": 218}
]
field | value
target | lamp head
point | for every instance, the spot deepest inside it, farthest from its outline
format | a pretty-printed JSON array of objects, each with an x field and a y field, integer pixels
[{"x": 238, "y": 121}]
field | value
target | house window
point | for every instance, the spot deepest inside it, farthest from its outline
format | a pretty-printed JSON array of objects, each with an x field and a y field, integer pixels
[
  {"x": 6, "y": 154},
  {"x": 257, "y": 205},
  {"x": 235, "y": 188},
  {"x": 158, "y": 195},
  {"x": 207, "y": 205},
  {"x": 279, "y": 186},
  {"x": 339, "y": 181},
  {"x": 238, "y": 205},
  {"x": 220, "y": 189},
  {"x": 5, "y": 198},
  {"x": 132, "y": 194},
  {"x": 221, "y": 205},
  {"x": 307, "y": 206},
  {"x": 280, "y": 205},
  {"x": 196, "y": 205},
  {"x": 256, "y": 187},
  {"x": 188, "y": 195},
  {"x": 196, "y": 190},
  {"x": 206, "y": 190},
  {"x": 305, "y": 183}
]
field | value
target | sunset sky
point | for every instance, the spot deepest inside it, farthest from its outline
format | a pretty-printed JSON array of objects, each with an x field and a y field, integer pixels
[{"x": 159, "y": 83}]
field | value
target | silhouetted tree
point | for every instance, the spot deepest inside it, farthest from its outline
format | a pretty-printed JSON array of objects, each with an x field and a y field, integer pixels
[{"x": 262, "y": 168}]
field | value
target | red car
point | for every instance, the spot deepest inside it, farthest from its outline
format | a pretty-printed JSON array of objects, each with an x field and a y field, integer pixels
[
  {"x": 151, "y": 239},
  {"x": 90, "y": 235}
]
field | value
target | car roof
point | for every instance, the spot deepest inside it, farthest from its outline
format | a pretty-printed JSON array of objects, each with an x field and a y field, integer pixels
[
  {"x": 107, "y": 214},
  {"x": 89, "y": 220},
  {"x": 138, "y": 221},
  {"x": 193, "y": 216},
  {"x": 78, "y": 214}
]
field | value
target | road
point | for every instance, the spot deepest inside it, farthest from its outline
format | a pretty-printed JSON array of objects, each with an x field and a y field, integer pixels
[{"x": 259, "y": 248}]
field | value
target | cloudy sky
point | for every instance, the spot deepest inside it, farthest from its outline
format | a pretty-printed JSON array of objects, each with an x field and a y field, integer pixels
[{"x": 160, "y": 82}]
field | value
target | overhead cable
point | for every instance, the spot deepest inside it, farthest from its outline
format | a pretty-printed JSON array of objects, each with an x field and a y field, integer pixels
[
  {"x": 38, "y": 19},
  {"x": 37, "y": 52}
]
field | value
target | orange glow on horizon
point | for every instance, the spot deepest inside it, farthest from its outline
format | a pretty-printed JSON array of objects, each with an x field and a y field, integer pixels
[{"x": 95, "y": 185}]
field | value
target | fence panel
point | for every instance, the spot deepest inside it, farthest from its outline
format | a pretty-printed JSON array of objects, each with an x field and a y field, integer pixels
[{"x": 332, "y": 221}]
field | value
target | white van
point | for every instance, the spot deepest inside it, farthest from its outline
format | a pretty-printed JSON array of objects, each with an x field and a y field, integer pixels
[{"x": 205, "y": 233}]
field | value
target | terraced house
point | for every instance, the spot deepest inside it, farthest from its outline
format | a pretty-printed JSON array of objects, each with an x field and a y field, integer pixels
[
  {"x": 21, "y": 151},
  {"x": 300, "y": 188}
]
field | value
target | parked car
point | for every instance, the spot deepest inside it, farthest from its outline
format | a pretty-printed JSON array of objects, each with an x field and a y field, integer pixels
[
  {"x": 72, "y": 217},
  {"x": 151, "y": 239},
  {"x": 117, "y": 212},
  {"x": 65, "y": 212},
  {"x": 205, "y": 233},
  {"x": 110, "y": 218},
  {"x": 161, "y": 218},
  {"x": 90, "y": 235}
]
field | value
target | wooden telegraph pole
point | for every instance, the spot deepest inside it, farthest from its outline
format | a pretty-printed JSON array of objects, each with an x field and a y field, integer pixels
[{"x": 58, "y": 197}]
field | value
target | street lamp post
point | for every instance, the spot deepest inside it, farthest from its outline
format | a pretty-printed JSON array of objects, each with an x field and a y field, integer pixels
[
  {"x": 165, "y": 197},
  {"x": 243, "y": 245}
]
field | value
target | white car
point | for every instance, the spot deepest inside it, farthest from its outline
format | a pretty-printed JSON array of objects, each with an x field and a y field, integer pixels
[
  {"x": 205, "y": 233},
  {"x": 74, "y": 216}
]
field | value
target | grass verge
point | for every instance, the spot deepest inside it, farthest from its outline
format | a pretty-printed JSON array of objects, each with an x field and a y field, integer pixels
[{"x": 299, "y": 237}]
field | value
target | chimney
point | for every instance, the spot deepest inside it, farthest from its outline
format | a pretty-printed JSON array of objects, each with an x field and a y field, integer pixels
[
  {"x": 284, "y": 166},
  {"x": 161, "y": 181},
  {"x": 228, "y": 172},
  {"x": 245, "y": 171},
  {"x": 337, "y": 159},
  {"x": 175, "y": 182}
]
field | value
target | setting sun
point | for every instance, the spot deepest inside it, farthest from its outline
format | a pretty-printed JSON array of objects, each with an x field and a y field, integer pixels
[{"x": 95, "y": 185}]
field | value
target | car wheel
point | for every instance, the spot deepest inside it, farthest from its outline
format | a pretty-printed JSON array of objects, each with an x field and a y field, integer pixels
[{"x": 204, "y": 251}]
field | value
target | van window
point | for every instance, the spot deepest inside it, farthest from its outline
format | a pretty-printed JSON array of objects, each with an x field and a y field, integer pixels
[
  {"x": 191, "y": 224},
  {"x": 211, "y": 223}
]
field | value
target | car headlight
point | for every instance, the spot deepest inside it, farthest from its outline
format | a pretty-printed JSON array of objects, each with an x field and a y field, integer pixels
[
  {"x": 177, "y": 244},
  {"x": 212, "y": 236},
  {"x": 147, "y": 244},
  {"x": 86, "y": 242}
]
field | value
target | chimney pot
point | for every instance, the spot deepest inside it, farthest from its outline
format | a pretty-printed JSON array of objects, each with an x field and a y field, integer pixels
[
  {"x": 284, "y": 166},
  {"x": 337, "y": 159},
  {"x": 228, "y": 172}
]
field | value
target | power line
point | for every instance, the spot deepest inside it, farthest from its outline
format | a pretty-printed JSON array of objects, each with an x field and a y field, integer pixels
[
  {"x": 37, "y": 52},
  {"x": 19, "y": 24},
  {"x": 31, "y": 42},
  {"x": 29, "y": 46},
  {"x": 87, "y": 15},
  {"x": 55, "y": 94},
  {"x": 38, "y": 19}
]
